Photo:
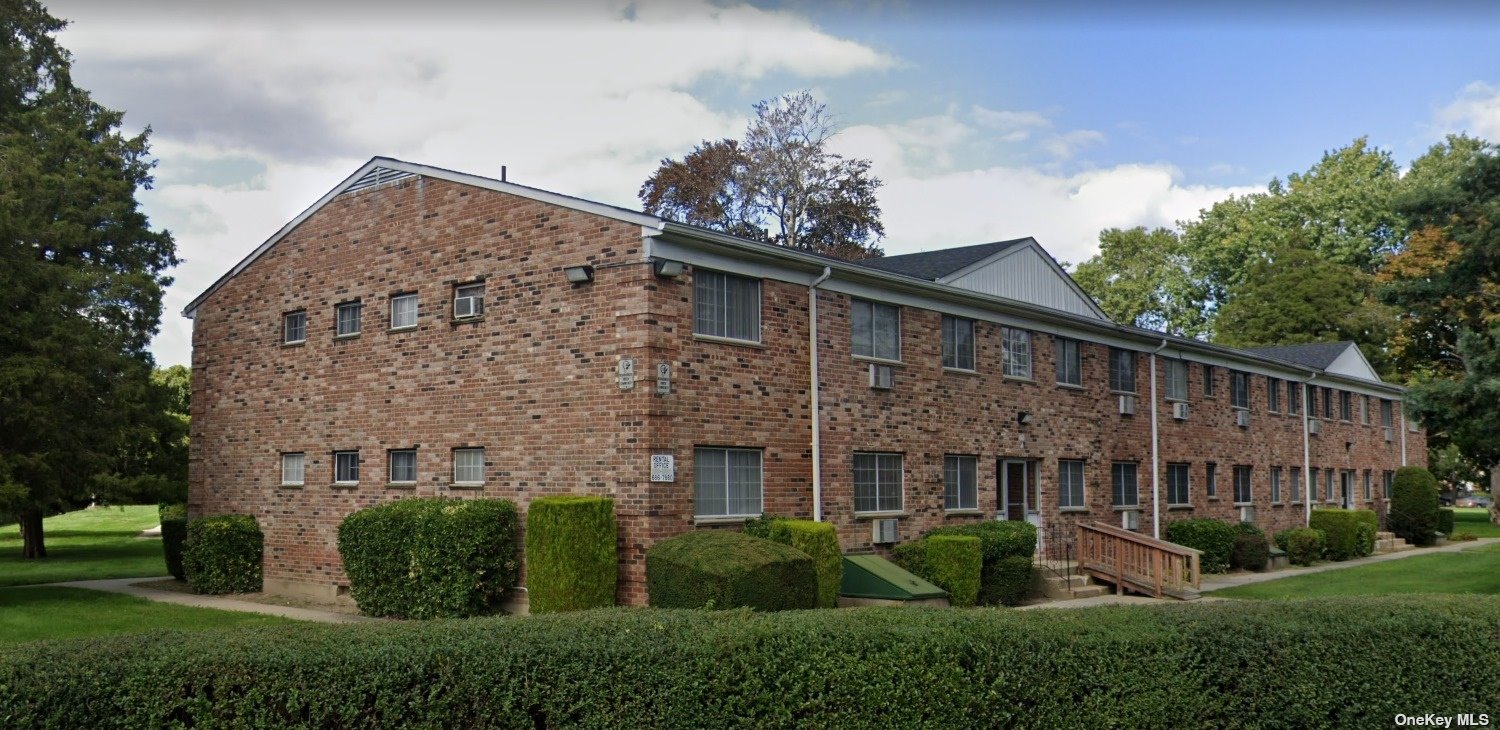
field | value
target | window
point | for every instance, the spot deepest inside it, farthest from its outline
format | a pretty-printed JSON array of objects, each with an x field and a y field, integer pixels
[
  {"x": 1387, "y": 479},
  {"x": 726, "y": 482},
  {"x": 1312, "y": 484},
  {"x": 958, "y": 343},
  {"x": 403, "y": 464},
  {"x": 1069, "y": 362},
  {"x": 1177, "y": 484},
  {"x": 1348, "y": 476},
  {"x": 1275, "y": 485},
  {"x": 1327, "y": 403},
  {"x": 1208, "y": 381},
  {"x": 1015, "y": 356},
  {"x": 876, "y": 329},
  {"x": 1369, "y": 485},
  {"x": 1239, "y": 389},
  {"x": 1387, "y": 413},
  {"x": 725, "y": 305},
  {"x": 1121, "y": 370},
  {"x": 1242, "y": 485},
  {"x": 1346, "y": 406},
  {"x": 403, "y": 311},
  {"x": 346, "y": 467},
  {"x": 293, "y": 468},
  {"x": 1273, "y": 394},
  {"x": 1070, "y": 484},
  {"x": 468, "y": 466},
  {"x": 1123, "y": 484},
  {"x": 959, "y": 478},
  {"x": 877, "y": 482},
  {"x": 1211, "y": 481},
  {"x": 468, "y": 301},
  {"x": 1364, "y": 409},
  {"x": 346, "y": 319},
  {"x": 1177, "y": 379},
  {"x": 294, "y": 328},
  {"x": 1296, "y": 484},
  {"x": 1328, "y": 484}
]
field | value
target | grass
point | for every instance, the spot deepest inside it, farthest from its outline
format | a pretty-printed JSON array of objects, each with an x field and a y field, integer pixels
[
  {"x": 1472, "y": 571},
  {"x": 53, "y": 612},
  {"x": 98, "y": 542},
  {"x": 1475, "y": 521}
]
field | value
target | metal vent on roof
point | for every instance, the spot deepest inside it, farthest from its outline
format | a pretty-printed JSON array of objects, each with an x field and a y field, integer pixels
[{"x": 377, "y": 176}]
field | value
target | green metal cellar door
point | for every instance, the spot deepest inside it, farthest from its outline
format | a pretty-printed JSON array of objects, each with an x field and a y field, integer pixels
[{"x": 871, "y": 576}]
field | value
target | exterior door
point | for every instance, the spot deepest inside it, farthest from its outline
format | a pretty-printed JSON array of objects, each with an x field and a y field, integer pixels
[
  {"x": 1018, "y": 490},
  {"x": 1346, "y": 487}
]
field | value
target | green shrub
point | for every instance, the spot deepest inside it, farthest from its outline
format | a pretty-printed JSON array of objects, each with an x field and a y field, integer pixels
[
  {"x": 721, "y": 569},
  {"x": 954, "y": 563},
  {"x": 173, "y": 533},
  {"x": 1463, "y": 537},
  {"x": 1214, "y": 538},
  {"x": 222, "y": 554},
  {"x": 1413, "y": 511},
  {"x": 821, "y": 543},
  {"x": 999, "y": 539},
  {"x": 1232, "y": 664},
  {"x": 1251, "y": 552},
  {"x": 1445, "y": 521},
  {"x": 1010, "y": 581},
  {"x": 1346, "y": 533},
  {"x": 761, "y": 526},
  {"x": 912, "y": 557},
  {"x": 571, "y": 559},
  {"x": 430, "y": 558},
  {"x": 1302, "y": 545},
  {"x": 1249, "y": 528}
]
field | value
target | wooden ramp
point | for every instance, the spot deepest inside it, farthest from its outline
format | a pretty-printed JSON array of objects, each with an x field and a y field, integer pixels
[{"x": 1137, "y": 563}]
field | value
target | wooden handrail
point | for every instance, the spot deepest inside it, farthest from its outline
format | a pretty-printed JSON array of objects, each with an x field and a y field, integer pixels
[
  {"x": 1137, "y": 562},
  {"x": 1163, "y": 545}
]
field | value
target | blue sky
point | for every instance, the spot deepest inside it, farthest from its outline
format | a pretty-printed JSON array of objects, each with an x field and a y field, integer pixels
[{"x": 985, "y": 121}]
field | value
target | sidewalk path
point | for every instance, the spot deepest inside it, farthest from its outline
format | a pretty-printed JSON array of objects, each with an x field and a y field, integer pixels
[{"x": 223, "y": 603}]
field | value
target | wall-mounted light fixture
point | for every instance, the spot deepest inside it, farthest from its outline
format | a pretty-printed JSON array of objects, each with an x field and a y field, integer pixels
[
  {"x": 579, "y": 274},
  {"x": 1023, "y": 417},
  {"x": 669, "y": 268}
]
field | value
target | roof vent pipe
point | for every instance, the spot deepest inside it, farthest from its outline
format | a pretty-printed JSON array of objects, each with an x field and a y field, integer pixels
[{"x": 502, "y": 173}]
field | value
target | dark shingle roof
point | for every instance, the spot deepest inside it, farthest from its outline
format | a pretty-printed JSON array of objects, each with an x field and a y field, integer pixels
[
  {"x": 934, "y": 265},
  {"x": 1313, "y": 354}
]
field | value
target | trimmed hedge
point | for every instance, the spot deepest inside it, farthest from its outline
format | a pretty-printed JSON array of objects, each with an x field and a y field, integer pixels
[
  {"x": 430, "y": 558},
  {"x": 1004, "y": 584},
  {"x": 1445, "y": 517},
  {"x": 1413, "y": 511},
  {"x": 1251, "y": 552},
  {"x": 1346, "y": 533},
  {"x": 173, "y": 533},
  {"x": 821, "y": 543},
  {"x": 1302, "y": 545},
  {"x": 571, "y": 559},
  {"x": 1238, "y": 664},
  {"x": 1214, "y": 538},
  {"x": 720, "y": 569},
  {"x": 222, "y": 554},
  {"x": 955, "y": 563}
]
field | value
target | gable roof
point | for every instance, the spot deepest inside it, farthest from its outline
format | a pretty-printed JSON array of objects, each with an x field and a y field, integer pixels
[
  {"x": 1313, "y": 354},
  {"x": 934, "y": 265}
]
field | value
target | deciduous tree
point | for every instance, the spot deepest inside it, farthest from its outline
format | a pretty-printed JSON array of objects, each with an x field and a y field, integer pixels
[{"x": 1141, "y": 277}]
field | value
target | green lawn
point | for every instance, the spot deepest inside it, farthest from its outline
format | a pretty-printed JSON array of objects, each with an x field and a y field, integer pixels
[
  {"x": 1476, "y": 570},
  {"x": 1475, "y": 521},
  {"x": 51, "y": 612},
  {"x": 98, "y": 542}
]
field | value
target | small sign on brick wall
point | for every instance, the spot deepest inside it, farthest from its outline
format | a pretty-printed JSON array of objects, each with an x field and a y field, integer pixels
[
  {"x": 625, "y": 373},
  {"x": 663, "y": 378},
  {"x": 663, "y": 468}
]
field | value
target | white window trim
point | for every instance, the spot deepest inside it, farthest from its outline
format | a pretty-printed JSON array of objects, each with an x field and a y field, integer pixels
[
  {"x": 973, "y": 345},
  {"x": 899, "y": 511},
  {"x": 469, "y": 482},
  {"x": 416, "y": 313},
  {"x": 1083, "y": 486},
  {"x": 345, "y": 483},
  {"x": 300, "y": 482},
  {"x": 1009, "y": 362},
  {"x": 760, "y": 297},
  {"x": 874, "y": 305},
  {"x": 338, "y": 318},
  {"x": 1188, "y": 488},
  {"x": 733, "y": 517},
  {"x": 962, "y": 507},
  {"x": 1137, "y": 489},
  {"x": 391, "y": 464},
  {"x": 285, "y": 330}
]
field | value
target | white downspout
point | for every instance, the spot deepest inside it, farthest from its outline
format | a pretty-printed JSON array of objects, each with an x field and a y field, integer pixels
[
  {"x": 817, "y": 416},
  {"x": 1155, "y": 452},
  {"x": 1307, "y": 474},
  {"x": 1403, "y": 432}
]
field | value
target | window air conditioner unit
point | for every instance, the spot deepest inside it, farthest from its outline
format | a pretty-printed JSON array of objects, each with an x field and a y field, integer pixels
[
  {"x": 1242, "y": 419},
  {"x": 1130, "y": 519},
  {"x": 1247, "y": 514},
  {"x": 884, "y": 531},
  {"x": 1390, "y": 434},
  {"x": 1180, "y": 411},
  {"x": 1315, "y": 427},
  {"x": 880, "y": 376},
  {"x": 467, "y": 307},
  {"x": 1127, "y": 405}
]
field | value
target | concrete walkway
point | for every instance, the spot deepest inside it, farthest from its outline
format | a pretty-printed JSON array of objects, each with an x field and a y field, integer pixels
[{"x": 127, "y": 587}]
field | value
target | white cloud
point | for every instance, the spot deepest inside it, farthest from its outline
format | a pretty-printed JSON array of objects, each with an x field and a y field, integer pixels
[
  {"x": 1011, "y": 126},
  {"x": 1475, "y": 111},
  {"x": 1064, "y": 146}
]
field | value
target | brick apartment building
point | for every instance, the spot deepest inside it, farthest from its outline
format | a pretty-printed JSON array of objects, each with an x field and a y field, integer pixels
[{"x": 423, "y": 332}]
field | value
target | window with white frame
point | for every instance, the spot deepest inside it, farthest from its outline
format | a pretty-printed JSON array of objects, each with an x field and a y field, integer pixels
[
  {"x": 1312, "y": 484},
  {"x": 1208, "y": 381},
  {"x": 1275, "y": 485},
  {"x": 877, "y": 482},
  {"x": 1178, "y": 486},
  {"x": 725, "y": 305},
  {"x": 1070, "y": 484},
  {"x": 1121, "y": 370},
  {"x": 1273, "y": 394},
  {"x": 1239, "y": 389},
  {"x": 1328, "y": 484},
  {"x": 403, "y": 311},
  {"x": 403, "y": 466},
  {"x": 1293, "y": 397},
  {"x": 1346, "y": 406},
  {"x": 1296, "y": 484},
  {"x": 958, "y": 343},
  {"x": 1015, "y": 352},
  {"x": 875, "y": 329},
  {"x": 1328, "y": 403},
  {"x": 1211, "y": 480},
  {"x": 1369, "y": 485},
  {"x": 1069, "y": 361},
  {"x": 294, "y": 327},
  {"x": 1177, "y": 380},
  {"x": 293, "y": 468},
  {"x": 346, "y": 319},
  {"x": 468, "y": 466},
  {"x": 726, "y": 482},
  {"x": 1242, "y": 485},
  {"x": 346, "y": 467},
  {"x": 1387, "y": 413},
  {"x": 468, "y": 301},
  {"x": 1387, "y": 480},
  {"x": 1124, "y": 489},
  {"x": 960, "y": 479}
]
